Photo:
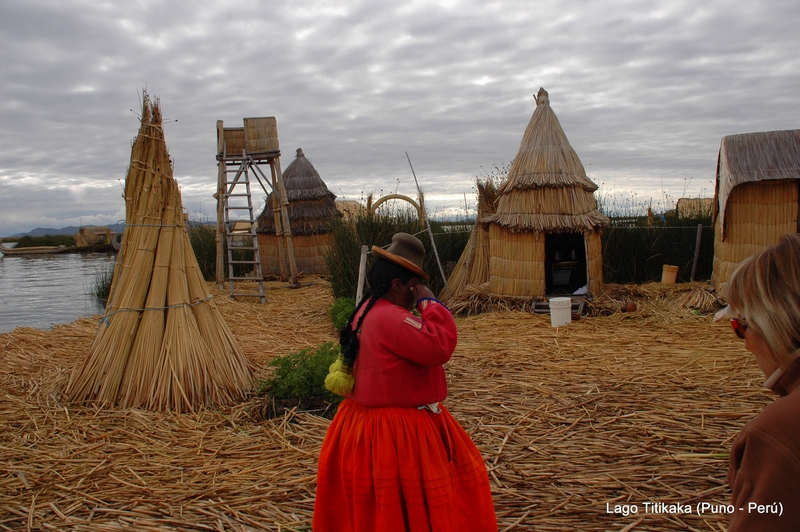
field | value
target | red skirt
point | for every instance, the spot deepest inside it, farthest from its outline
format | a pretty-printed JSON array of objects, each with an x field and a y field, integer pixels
[{"x": 400, "y": 470}]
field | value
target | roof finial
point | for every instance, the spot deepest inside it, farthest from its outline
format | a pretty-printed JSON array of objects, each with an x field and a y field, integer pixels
[
  {"x": 542, "y": 98},
  {"x": 300, "y": 152}
]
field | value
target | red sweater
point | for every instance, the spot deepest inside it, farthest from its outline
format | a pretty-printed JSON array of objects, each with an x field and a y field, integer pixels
[
  {"x": 400, "y": 359},
  {"x": 764, "y": 469}
]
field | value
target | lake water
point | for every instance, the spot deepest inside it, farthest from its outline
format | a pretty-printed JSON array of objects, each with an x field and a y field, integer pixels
[{"x": 42, "y": 291}]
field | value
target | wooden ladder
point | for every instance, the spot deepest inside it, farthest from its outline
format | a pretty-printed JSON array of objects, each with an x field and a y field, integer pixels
[{"x": 238, "y": 199}]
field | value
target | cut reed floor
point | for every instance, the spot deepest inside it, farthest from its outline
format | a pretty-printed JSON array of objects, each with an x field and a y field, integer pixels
[{"x": 625, "y": 409}]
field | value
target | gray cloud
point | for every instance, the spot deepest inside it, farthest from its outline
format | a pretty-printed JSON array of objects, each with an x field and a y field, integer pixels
[{"x": 644, "y": 90}]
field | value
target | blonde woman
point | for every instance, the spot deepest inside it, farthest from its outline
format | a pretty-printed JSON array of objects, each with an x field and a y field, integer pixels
[{"x": 764, "y": 474}]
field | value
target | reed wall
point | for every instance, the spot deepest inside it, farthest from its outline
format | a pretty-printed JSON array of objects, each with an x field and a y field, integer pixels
[
  {"x": 516, "y": 263},
  {"x": 261, "y": 134},
  {"x": 309, "y": 253},
  {"x": 757, "y": 215}
]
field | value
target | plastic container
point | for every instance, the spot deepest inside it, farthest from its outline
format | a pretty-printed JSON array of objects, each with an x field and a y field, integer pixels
[
  {"x": 560, "y": 311},
  {"x": 669, "y": 274}
]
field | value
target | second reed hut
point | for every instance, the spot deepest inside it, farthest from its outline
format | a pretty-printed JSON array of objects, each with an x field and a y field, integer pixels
[
  {"x": 756, "y": 197},
  {"x": 312, "y": 211},
  {"x": 544, "y": 237}
]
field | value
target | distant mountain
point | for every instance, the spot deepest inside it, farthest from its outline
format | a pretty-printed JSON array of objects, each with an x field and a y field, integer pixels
[{"x": 69, "y": 231}]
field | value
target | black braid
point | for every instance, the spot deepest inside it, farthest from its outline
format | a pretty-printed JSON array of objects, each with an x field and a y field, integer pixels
[{"x": 381, "y": 276}]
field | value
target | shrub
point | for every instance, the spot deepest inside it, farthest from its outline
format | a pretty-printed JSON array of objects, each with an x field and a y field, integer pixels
[
  {"x": 302, "y": 375},
  {"x": 204, "y": 243},
  {"x": 102, "y": 282},
  {"x": 368, "y": 229},
  {"x": 340, "y": 311},
  {"x": 46, "y": 240}
]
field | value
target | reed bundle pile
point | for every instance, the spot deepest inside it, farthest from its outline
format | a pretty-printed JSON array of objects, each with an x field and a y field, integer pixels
[
  {"x": 162, "y": 343},
  {"x": 657, "y": 300},
  {"x": 472, "y": 268},
  {"x": 627, "y": 408}
]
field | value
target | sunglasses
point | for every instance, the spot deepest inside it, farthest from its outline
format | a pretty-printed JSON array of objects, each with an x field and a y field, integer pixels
[{"x": 739, "y": 327}]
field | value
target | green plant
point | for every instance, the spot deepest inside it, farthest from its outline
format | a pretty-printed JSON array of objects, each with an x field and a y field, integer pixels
[
  {"x": 101, "y": 286},
  {"x": 102, "y": 282},
  {"x": 46, "y": 240},
  {"x": 302, "y": 375},
  {"x": 341, "y": 310},
  {"x": 203, "y": 237}
]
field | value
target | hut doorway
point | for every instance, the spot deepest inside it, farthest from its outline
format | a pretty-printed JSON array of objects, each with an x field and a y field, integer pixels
[{"x": 564, "y": 263}]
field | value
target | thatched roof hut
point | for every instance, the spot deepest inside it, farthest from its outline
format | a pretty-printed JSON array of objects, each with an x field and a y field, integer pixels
[
  {"x": 93, "y": 235},
  {"x": 312, "y": 212},
  {"x": 755, "y": 196},
  {"x": 544, "y": 238}
]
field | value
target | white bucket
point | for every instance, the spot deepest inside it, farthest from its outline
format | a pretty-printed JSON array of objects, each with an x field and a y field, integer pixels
[{"x": 560, "y": 311}]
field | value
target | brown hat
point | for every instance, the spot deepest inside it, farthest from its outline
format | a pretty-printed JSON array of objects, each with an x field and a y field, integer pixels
[{"x": 406, "y": 251}]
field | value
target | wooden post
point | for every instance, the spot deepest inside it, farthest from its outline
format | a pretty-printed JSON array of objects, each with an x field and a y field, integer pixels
[
  {"x": 220, "y": 195},
  {"x": 287, "y": 229},
  {"x": 362, "y": 270},
  {"x": 696, "y": 250},
  {"x": 276, "y": 212},
  {"x": 430, "y": 232}
]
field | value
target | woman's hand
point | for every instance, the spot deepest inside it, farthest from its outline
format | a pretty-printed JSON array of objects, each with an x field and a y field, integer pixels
[{"x": 420, "y": 291}]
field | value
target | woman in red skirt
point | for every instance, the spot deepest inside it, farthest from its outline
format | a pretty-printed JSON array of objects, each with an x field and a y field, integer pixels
[{"x": 394, "y": 459}]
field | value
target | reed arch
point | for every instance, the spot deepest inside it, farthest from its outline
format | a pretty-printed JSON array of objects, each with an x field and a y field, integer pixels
[{"x": 419, "y": 207}]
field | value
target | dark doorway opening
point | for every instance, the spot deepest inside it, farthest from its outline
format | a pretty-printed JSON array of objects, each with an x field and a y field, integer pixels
[{"x": 564, "y": 263}]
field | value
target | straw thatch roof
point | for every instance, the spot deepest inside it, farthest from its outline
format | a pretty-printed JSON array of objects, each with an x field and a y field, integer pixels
[
  {"x": 350, "y": 209},
  {"x": 547, "y": 188},
  {"x": 752, "y": 157},
  {"x": 312, "y": 207}
]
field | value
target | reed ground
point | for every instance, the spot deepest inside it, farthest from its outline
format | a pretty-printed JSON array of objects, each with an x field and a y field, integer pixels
[{"x": 625, "y": 409}]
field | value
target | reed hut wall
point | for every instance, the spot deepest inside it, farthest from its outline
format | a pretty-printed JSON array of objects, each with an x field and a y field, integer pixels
[
  {"x": 516, "y": 263},
  {"x": 261, "y": 134},
  {"x": 309, "y": 253},
  {"x": 758, "y": 214},
  {"x": 233, "y": 139}
]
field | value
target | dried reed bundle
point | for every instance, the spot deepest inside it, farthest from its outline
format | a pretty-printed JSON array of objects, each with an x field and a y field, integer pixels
[
  {"x": 697, "y": 298},
  {"x": 473, "y": 265},
  {"x": 155, "y": 348}
]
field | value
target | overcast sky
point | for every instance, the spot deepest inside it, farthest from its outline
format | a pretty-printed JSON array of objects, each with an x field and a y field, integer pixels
[{"x": 644, "y": 89}]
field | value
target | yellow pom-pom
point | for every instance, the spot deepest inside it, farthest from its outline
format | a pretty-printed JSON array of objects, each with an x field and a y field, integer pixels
[
  {"x": 338, "y": 365},
  {"x": 340, "y": 383},
  {"x": 339, "y": 380}
]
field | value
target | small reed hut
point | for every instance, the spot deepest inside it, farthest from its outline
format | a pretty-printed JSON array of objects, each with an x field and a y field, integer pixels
[
  {"x": 756, "y": 197},
  {"x": 312, "y": 212},
  {"x": 544, "y": 238},
  {"x": 93, "y": 235}
]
